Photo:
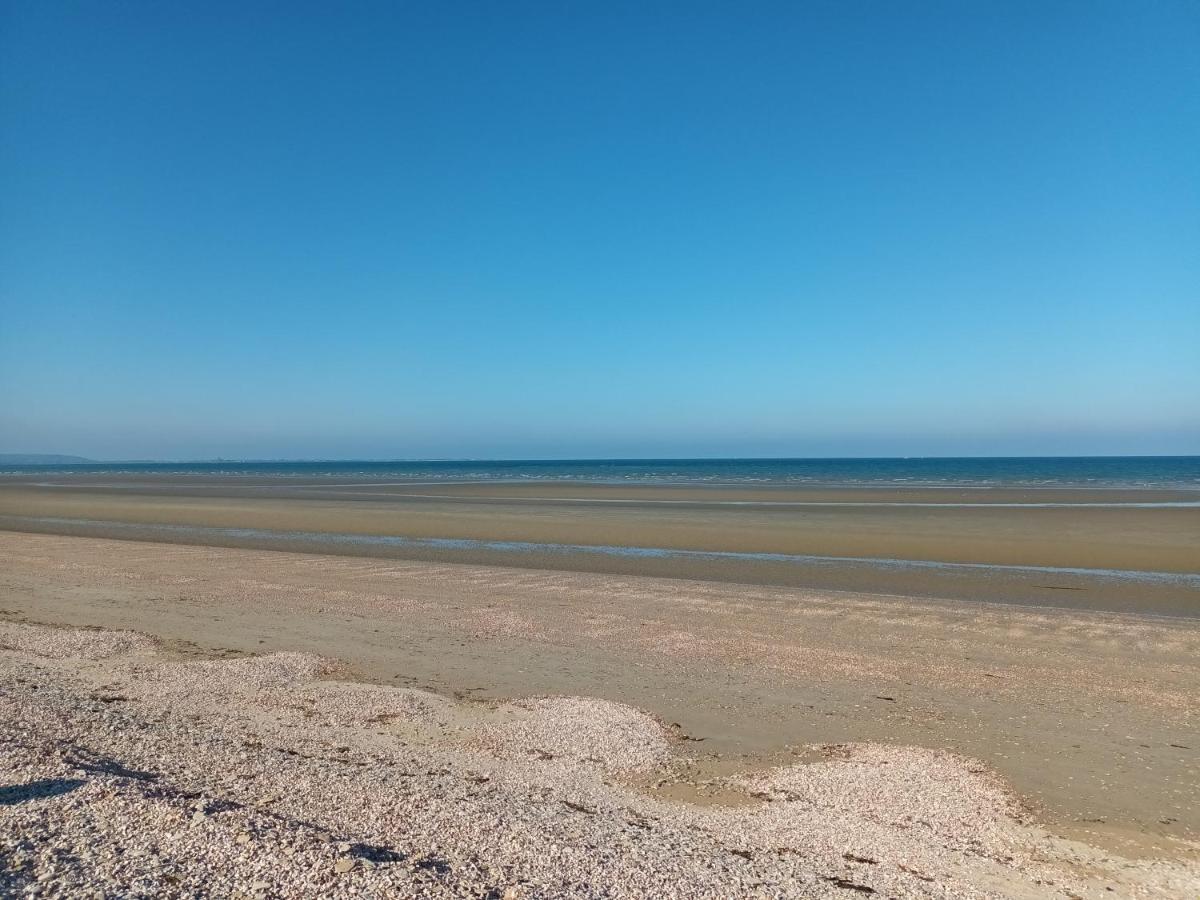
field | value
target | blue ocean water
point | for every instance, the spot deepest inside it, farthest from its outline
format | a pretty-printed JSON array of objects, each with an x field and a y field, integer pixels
[{"x": 1173, "y": 472}]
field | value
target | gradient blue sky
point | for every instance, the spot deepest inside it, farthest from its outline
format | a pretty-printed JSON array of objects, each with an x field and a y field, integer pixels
[{"x": 599, "y": 229}]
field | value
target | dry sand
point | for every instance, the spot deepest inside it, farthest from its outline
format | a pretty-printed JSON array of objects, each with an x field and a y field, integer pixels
[
  {"x": 132, "y": 773},
  {"x": 563, "y": 734}
]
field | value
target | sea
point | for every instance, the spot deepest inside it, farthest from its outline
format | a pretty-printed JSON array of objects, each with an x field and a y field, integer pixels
[{"x": 1117, "y": 472}]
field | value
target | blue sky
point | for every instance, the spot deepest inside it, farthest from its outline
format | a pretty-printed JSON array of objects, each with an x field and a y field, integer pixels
[{"x": 599, "y": 229}]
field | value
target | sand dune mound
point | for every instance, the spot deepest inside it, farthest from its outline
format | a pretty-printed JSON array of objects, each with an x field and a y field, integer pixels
[
  {"x": 890, "y": 820},
  {"x": 245, "y": 686},
  {"x": 286, "y": 688},
  {"x": 582, "y": 730},
  {"x": 289, "y": 686},
  {"x": 71, "y": 643},
  {"x": 255, "y": 672},
  {"x": 958, "y": 799},
  {"x": 346, "y": 704}
]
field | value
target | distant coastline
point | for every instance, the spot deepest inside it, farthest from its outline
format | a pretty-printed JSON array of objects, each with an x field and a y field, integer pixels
[{"x": 43, "y": 459}]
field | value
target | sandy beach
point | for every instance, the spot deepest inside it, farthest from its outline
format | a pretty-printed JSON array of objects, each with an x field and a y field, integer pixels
[
  {"x": 599, "y": 451},
  {"x": 701, "y": 738}
]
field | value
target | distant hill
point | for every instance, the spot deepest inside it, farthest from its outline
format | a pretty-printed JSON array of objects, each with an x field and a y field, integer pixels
[{"x": 41, "y": 459}]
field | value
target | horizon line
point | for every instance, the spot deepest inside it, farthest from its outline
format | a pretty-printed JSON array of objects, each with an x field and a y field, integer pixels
[{"x": 83, "y": 460}]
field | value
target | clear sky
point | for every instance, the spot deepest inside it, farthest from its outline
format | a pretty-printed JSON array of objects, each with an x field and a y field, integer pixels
[{"x": 599, "y": 228}]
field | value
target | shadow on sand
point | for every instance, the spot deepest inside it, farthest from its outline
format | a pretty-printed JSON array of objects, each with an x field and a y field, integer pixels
[{"x": 38, "y": 790}]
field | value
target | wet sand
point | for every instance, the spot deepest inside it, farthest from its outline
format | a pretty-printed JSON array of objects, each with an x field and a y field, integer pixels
[{"x": 833, "y": 539}]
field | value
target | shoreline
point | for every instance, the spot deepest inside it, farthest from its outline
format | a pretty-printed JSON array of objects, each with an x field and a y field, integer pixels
[
  {"x": 633, "y": 491},
  {"x": 1128, "y": 591},
  {"x": 1069, "y": 549}
]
